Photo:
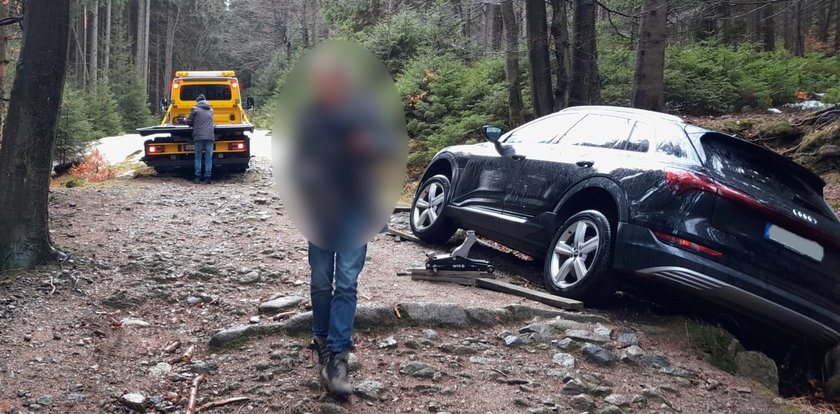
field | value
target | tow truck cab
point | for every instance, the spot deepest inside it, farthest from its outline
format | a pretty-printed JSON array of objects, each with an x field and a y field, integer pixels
[{"x": 173, "y": 149}]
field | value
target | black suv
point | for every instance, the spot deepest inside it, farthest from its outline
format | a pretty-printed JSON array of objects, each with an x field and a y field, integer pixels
[{"x": 605, "y": 192}]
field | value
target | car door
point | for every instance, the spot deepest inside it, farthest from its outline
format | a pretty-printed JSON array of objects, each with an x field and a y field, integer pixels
[{"x": 591, "y": 146}]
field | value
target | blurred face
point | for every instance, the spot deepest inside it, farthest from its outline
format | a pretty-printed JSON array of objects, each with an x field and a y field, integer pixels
[{"x": 329, "y": 83}]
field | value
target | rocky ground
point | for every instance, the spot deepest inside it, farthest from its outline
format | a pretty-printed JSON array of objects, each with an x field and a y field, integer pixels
[{"x": 159, "y": 265}]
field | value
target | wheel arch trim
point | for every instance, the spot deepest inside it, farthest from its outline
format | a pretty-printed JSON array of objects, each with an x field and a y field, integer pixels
[{"x": 603, "y": 183}]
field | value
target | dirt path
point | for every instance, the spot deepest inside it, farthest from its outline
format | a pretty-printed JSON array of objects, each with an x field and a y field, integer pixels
[{"x": 159, "y": 259}]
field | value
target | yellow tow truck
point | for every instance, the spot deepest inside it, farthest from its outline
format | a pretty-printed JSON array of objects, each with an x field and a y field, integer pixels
[{"x": 175, "y": 150}]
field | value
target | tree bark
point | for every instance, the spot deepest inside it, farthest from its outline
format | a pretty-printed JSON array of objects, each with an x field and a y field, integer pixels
[
  {"x": 768, "y": 28},
  {"x": 560, "y": 34},
  {"x": 85, "y": 43},
  {"x": 146, "y": 42},
  {"x": 837, "y": 26},
  {"x": 26, "y": 154},
  {"x": 512, "y": 64},
  {"x": 94, "y": 49},
  {"x": 649, "y": 80},
  {"x": 538, "y": 62},
  {"x": 799, "y": 35},
  {"x": 106, "y": 58},
  {"x": 585, "y": 79},
  {"x": 789, "y": 26},
  {"x": 496, "y": 27},
  {"x": 4, "y": 62},
  {"x": 169, "y": 47}
]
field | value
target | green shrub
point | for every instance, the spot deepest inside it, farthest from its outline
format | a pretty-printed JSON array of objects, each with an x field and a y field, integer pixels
[
  {"x": 104, "y": 113},
  {"x": 74, "y": 129}
]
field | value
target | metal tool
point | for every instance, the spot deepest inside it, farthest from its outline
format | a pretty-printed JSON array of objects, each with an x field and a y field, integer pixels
[{"x": 458, "y": 259}]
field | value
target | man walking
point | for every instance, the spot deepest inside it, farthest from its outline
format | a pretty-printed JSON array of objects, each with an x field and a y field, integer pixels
[{"x": 204, "y": 137}]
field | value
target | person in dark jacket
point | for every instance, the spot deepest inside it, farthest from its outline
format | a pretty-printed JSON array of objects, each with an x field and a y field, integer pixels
[{"x": 204, "y": 137}]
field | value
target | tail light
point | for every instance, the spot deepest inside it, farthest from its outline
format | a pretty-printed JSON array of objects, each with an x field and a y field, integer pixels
[
  {"x": 683, "y": 181},
  {"x": 154, "y": 149},
  {"x": 234, "y": 84},
  {"x": 687, "y": 244},
  {"x": 236, "y": 146}
]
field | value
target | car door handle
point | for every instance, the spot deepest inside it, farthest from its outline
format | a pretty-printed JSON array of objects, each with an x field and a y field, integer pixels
[{"x": 585, "y": 163}]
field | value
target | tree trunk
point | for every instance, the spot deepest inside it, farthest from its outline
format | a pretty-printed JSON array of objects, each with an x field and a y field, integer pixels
[
  {"x": 768, "y": 29},
  {"x": 496, "y": 27},
  {"x": 26, "y": 154},
  {"x": 799, "y": 46},
  {"x": 512, "y": 64},
  {"x": 106, "y": 58},
  {"x": 789, "y": 27},
  {"x": 4, "y": 62},
  {"x": 649, "y": 80},
  {"x": 85, "y": 42},
  {"x": 169, "y": 47},
  {"x": 94, "y": 49},
  {"x": 537, "y": 35},
  {"x": 837, "y": 27},
  {"x": 146, "y": 42},
  {"x": 138, "y": 40},
  {"x": 560, "y": 34},
  {"x": 585, "y": 82}
]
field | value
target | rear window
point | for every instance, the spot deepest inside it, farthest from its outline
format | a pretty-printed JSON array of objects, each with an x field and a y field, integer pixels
[
  {"x": 759, "y": 172},
  {"x": 212, "y": 92}
]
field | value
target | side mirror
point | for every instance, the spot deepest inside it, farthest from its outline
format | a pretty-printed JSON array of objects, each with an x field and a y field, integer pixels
[
  {"x": 164, "y": 104},
  {"x": 249, "y": 103},
  {"x": 491, "y": 133}
]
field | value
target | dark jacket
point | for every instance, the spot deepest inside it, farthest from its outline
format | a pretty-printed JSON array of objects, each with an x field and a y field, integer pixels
[{"x": 201, "y": 119}]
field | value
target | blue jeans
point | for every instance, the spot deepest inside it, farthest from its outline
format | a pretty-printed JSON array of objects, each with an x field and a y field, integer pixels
[
  {"x": 206, "y": 147},
  {"x": 334, "y": 309}
]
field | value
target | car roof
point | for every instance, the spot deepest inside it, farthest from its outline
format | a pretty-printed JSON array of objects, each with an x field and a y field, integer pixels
[{"x": 628, "y": 112}]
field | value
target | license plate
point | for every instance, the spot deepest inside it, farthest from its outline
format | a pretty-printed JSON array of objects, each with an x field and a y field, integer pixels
[
  {"x": 794, "y": 242},
  {"x": 189, "y": 147}
]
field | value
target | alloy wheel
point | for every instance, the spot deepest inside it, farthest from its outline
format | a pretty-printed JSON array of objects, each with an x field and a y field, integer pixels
[
  {"x": 574, "y": 253},
  {"x": 428, "y": 206}
]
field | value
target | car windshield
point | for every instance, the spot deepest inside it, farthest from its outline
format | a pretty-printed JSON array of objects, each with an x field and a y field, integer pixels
[{"x": 213, "y": 92}]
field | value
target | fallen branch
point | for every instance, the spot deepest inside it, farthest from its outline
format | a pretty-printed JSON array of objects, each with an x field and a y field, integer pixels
[
  {"x": 172, "y": 347},
  {"x": 219, "y": 403},
  {"x": 193, "y": 394},
  {"x": 397, "y": 311},
  {"x": 186, "y": 357},
  {"x": 283, "y": 315}
]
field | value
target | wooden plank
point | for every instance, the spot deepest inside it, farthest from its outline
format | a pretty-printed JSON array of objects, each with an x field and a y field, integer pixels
[
  {"x": 465, "y": 281},
  {"x": 405, "y": 236},
  {"x": 402, "y": 209},
  {"x": 542, "y": 297}
]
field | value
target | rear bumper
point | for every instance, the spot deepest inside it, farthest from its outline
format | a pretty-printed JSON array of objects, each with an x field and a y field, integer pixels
[
  {"x": 638, "y": 251},
  {"x": 188, "y": 160}
]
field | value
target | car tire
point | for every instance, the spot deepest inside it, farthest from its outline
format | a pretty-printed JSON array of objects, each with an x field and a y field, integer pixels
[
  {"x": 577, "y": 265},
  {"x": 428, "y": 216}
]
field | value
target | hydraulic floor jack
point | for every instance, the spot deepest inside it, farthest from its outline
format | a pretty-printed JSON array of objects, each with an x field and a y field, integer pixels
[{"x": 458, "y": 259}]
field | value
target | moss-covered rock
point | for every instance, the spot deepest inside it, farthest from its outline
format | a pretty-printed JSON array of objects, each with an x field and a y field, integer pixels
[
  {"x": 781, "y": 129},
  {"x": 817, "y": 139}
]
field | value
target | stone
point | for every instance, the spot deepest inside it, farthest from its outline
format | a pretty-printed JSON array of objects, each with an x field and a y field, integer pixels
[
  {"x": 634, "y": 351},
  {"x": 134, "y": 401},
  {"x": 678, "y": 372},
  {"x": 566, "y": 361},
  {"x": 712, "y": 384},
  {"x": 609, "y": 409},
  {"x": 484, "y": 360},
  {"x": 628, "y": 339},
  {"x": 568, "y": 344},
  {"x": 582, "y": 402},
  {"x": 134, "y": 322},
  {"x": 330, "y": 408},
  {"x": 123, "y": 300},
  {"x": 353, "y": 363},
  {"x": 369, "y": 390},
  {"x": 598, "y": 355},
  {"x": 201, "y": 367},
  {"x": 456, "y": 349},
  {"x": 744, "y": 390},
  {"x": 436, "y": 314},
  {"x": 543, "y": 331},
  {"x": 249, "y": 278},
  {"x": 602, "y": 330},
  {"x": 617, "y": 400},
  {"x": 574, "y": 387},
  {"x": 431, "y": 335},
  {"x": 387, "y": 343},
  {"x": 515, "y": 340},
  {"x": 161, "y": 368},
  {"x": 654, "y": 361},
  {"x": 586, "y": 336},
  {"x": 262, "y": 365},
  {"x": 75, "y": 397},
  {"x": 372, "y": 316},
  {"x": 758, "y": 367},
  {"x": 417, "y": 369},
  {"x": 280, "y": 304}
]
